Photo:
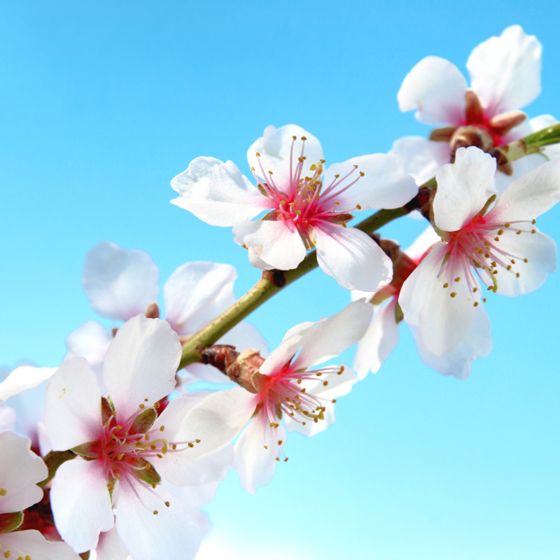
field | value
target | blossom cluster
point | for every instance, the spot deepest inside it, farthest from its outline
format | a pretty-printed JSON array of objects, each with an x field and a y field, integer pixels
[{"x": 116, "y": 452}]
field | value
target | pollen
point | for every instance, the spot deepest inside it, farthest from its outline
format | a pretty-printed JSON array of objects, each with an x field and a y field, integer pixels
[{"x": 3, "y": 492}]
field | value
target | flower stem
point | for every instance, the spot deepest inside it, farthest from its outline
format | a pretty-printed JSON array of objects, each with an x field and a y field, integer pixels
[{"x": 273, "y": 281}]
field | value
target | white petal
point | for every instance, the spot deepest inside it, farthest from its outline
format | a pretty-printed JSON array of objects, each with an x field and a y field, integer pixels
[
  {"x": 216, "y": 192},
  {"x": 330, "y": 337},
  {"x": 245, "y": 229},
  {"x": 276, "y": 244},
  {"x": 141, "y": 363},
  {"x": 531, "y": 195},
  {"x": 31, "y": 544},
  {"x": 506, "y": 70},
  {"x": 436, "y": 89},
  {"x": 196, "y": 293},
  {"x": 378, "y": 341},
  {"x": 73, "y": 408},
  {"x": 20, "y": 471},
  {"x": 110, "y": 547},
  {"x": 519, "y": 168},
  {"x": 276, "y": 146},
  {"x": 7, "y": 418},
  {"x": 352, "y": 258},
  {"x": 418, "y": 248},
  {"x": 443, "y": 322},
  {"x": 256, "y": 452},
  {"x": 81, "y": 503},
  {"x": 119, "y": 283},
  {"x": 22, "y": 379},
  {"x": 463, "y": 188},
  {"x": 385, "y": 183},
  {"x": 245, "y": 336},
  {"x": 538, "y": 249},
  {"x": 172, "y": 532},
  {"x": 421, "y": 157},
  {"x": 89, "y": 341}
]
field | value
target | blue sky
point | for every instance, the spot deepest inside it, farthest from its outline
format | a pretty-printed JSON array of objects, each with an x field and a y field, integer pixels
[{"x": 103, "y": 102}]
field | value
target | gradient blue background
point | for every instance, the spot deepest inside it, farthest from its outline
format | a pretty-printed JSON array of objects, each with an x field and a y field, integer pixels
[{"x": 102, "y": 103}]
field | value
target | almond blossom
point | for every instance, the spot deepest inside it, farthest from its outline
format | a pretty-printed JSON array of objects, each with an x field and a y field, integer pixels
[
  {"x": 131, "y": 456},
  {"x": 298, "y": 203},
  {"x": 20, "y": 472},
  {"x": 121, "y": 283},
  {"x": 487, "y": 241},
  {"x": 505, "y": 74},
  {"x": 292, "y": 390}
]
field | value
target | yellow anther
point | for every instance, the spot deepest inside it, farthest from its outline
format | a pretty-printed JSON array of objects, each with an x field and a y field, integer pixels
[
  {"x": 453, "y": 294},
  {"x": 3, "y": 492}
]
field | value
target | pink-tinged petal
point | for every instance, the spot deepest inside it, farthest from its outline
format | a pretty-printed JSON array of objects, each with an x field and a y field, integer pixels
[
  {"x": 119, "y": 283},
  {"x": 540, "y": 252},
  {"x": 420, "y": 246},
  {"x": 378, "y": 341},
  {"x": 276, "y": 146},
  {"x": 421, "y": 157},
  {"x": 443, "y": 322},
  {"x": 276, "y": 244},
  {"x": 463, "y": 188},
  {"x": 531, "y": 195},
  {"x": 330, "y": 337},
  {"x": 22, "y": 379},
  {"x": 89, "y": 341},
  {"x": 196, "y": 293},
  {"x": 216, "y": 192},
  {"x": 151, "y": 529},
  {"x": 73, "y": 408},
  {"x": 20, "y": 471},
  {"x": 506, "y": 70},
  {"x": 458, "y": 362},
  {"x": 214, "y": 420},
  {"x": 141, "y": 363},
  {"x": 255, "y": 453},
  {"x": 384, "y": 183},
  {"x": 436, "y": 89},
  {"x": 32, "y": 545},
  {"x": 7, "y": 418},
  {"x": 110, "y": 547},
  {"x": 81, "y": 503},
  {"x": 352, "y": 258}
]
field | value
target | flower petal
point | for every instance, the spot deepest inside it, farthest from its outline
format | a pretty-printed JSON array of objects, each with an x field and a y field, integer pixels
[
  {"x": 22, "y": 379},
  {"x": 149, "y": 528},
  {"x": 20, "y": 471},
  {"x": 7, "y": 418},
  {"x": 378, "y": 342},
  {"x": 141, "y": 363},
  {"x": 531, "y": 195},
  {"x": 216, "y": 192},
  {"x": 506, "y": 70},
  {"x": 276, "y": 244},
  {"x": 463, "y": 188},
  {"x": 385, "y": 183},
  {"x": 436, "y": 89},
  {"x": 352, "y": 258},
  {"x": 196, "y": 293},
  {"x": 73, "y": 407},
  {"x": 277, "y": 148},
  {"x": 81, "y": 503},
  {"x": 421, "y": 157},
  {"x": 31, "y": 544},
  {"x": 119, "y": 283},
  {"x": 89, "y": 341},
  {"x": 110, "y": 547}
]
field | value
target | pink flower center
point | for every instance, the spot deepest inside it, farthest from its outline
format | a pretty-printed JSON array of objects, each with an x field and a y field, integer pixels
[{"x": 306, "y": 203}]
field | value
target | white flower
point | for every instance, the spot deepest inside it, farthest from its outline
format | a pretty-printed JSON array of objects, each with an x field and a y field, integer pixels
[
  {"x": 20, "y": 472},
  {"x": 505, "y": 76},
  {"x": 301, "y": 203},
  {"x": 291, "y": 390},
  {"x": 131, "y": 458},
  {"x": 121, "y": 283},
  {"x": 485, "y": 240}
]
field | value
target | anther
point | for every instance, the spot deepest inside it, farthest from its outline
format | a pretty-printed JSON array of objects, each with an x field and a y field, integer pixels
[{"x": 453, "y": 294}]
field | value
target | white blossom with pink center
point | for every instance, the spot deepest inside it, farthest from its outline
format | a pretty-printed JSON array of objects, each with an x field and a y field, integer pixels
[
  {"x": 293, "y": 390},
  {"x": 298, "y": 204},
  {"x": 132, "y": 458},
  {"x": 488, "y": 243},
  {"x": 505, "y": 76},
  {"x": 20, "y": 472},
  {"x": 121, "y": 283}
]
